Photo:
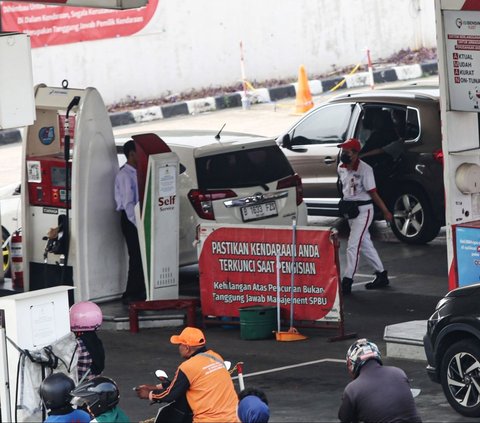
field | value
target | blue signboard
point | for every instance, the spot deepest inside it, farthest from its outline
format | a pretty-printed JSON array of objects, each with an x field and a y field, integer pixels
[{"x": 468, "y": 255}]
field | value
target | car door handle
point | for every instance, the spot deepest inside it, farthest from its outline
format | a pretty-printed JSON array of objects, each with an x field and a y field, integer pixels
[{"x": 328, "y": 160}]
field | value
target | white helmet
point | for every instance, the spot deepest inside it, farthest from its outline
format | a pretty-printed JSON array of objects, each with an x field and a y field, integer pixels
[{"x": 359, "y": 353}]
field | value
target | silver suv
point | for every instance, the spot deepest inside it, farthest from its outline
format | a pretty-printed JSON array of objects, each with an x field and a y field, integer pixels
[{"x": 411, "y": 184}]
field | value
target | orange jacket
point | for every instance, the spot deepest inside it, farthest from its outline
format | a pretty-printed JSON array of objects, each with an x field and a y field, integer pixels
[{"x": 209, "y": 388}]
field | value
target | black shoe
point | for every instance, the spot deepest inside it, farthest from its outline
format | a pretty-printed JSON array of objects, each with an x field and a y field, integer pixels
[
  {"x": 139, "y": 297},
  {"x": 347, "y": 286},
  {"x": 130, "y": 298},
  {"x": 381, "y": 281}
]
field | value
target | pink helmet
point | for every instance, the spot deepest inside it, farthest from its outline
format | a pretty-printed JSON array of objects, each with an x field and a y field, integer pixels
[{"x": 85, "y": 316}]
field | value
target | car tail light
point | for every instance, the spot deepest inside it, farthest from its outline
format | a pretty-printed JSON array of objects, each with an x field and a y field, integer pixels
[
  {"x": 293, "y": 181},
  {"x": 202, "y": 201},
  {"x": 438, "y": 156}
]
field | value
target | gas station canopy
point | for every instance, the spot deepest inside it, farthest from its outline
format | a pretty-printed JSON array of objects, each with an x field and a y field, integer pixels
[{"x": 99, "y": 4}]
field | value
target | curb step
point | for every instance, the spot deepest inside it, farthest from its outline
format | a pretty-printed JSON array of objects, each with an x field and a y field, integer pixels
[{"x": 405, "y": 340}]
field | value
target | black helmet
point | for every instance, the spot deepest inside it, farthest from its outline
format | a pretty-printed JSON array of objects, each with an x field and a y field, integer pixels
[
  {"x": 100, "y": 394},
  {"x": 55, "y": 390}
]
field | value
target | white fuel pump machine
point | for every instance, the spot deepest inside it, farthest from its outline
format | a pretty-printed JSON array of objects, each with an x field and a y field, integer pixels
[{"x": 68, "y": 178}]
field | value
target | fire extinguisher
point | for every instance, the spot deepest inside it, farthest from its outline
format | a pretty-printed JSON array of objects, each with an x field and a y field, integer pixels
[{"x": 17, "y": 259}]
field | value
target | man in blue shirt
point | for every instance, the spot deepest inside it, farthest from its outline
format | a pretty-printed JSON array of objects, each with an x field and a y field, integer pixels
[{"x": 126, "y": 197}]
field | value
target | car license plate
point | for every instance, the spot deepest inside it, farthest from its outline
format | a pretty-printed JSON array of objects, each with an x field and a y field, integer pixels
[{"x": 259, "y": 211}]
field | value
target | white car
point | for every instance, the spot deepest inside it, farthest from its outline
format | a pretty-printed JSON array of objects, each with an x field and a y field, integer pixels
[
  {"x": 232, "y": 178},
  {"x": 10, "y": 219}
]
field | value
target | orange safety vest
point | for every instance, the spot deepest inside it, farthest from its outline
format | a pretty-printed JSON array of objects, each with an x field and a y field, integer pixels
[{"x": 211, "y": 394}]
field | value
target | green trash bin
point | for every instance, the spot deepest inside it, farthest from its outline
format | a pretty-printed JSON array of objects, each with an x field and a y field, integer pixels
[{"x": 257, "y": 322}]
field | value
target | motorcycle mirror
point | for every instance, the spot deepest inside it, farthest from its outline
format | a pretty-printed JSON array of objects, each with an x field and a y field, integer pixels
[
  {"x": 160, "y": 374},
  {"x": 415, "y": 392},
  {"x": 227, "y": 364}
]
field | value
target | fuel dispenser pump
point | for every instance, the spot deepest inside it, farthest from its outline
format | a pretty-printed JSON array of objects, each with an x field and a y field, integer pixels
[
  {"x": 158, "y": 215},
  {"x": 71, "y": 234},
  {"x": 459, "y": 70}
]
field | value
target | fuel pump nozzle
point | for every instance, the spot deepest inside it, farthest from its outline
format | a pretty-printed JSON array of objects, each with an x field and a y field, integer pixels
[
  {"x": 56, "y": 241},
  {"x": 64, "y": 257},
  {"x": 75, "y": 102},
  {"x": 45, "y": 251}
]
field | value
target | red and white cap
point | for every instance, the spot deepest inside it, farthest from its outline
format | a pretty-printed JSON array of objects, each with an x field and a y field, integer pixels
[{"x": 351, "y": 144}]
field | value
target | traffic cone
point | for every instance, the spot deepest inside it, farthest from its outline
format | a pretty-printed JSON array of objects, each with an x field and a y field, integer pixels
[{"x": 303, "y": 101}]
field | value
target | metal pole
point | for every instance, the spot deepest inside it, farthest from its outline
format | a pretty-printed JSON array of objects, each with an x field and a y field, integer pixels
[
  {"x": 294, "y": 243},
  {"x": 370, "y": 70},
  {"x": 241, "y": 384},
  {"x": 278, "y": 293},
  {"x": 245, "y": 99}
]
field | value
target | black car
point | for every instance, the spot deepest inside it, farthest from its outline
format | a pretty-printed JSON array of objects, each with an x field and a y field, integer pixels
[
  {"x": 411, "y": 184},
  {"x": 452, "y": 347}
]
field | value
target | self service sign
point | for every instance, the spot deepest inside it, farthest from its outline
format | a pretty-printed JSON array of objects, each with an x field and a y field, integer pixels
[{"x": 238, "y": 267}]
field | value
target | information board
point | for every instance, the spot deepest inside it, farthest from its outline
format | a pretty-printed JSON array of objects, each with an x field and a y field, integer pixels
[
  {"x": 468, "y": 255},
  {"x": 462, "y": 39}
]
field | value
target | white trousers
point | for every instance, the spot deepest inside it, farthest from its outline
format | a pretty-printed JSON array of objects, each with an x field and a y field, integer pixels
[{"x": 360, "y": 241}]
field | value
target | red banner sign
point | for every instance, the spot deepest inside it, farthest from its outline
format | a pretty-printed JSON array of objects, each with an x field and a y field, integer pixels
[
  {"x": 51, "y": 25},
  {"x": 238, "y": 268}
]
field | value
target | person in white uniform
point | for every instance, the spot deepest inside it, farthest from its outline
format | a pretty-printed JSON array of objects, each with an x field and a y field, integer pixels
[{"x": 359, "y": 194}]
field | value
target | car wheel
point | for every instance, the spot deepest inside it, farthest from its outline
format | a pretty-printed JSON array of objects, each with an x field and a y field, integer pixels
[
  {"x": 413, "y": 219},
  {"x": 6, "y": 254},
  {"x": 460, "y": 377}
]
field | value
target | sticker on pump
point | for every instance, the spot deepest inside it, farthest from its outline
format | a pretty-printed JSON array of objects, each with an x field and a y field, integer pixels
[
  {"x": 34, "y": 171},
  {"x": 46, "y": 135}
]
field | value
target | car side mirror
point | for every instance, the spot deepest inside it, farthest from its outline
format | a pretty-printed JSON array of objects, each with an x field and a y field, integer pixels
[{"x": 287, "y": 141}]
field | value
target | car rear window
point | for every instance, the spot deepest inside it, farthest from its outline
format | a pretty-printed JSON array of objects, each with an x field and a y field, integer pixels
[{"x": 242, "y": 168}]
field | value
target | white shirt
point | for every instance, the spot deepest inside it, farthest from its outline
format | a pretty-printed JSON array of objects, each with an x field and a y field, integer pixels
[
  {"x": 357, "y": 182},
  {"x": 126, "y": 191}
]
